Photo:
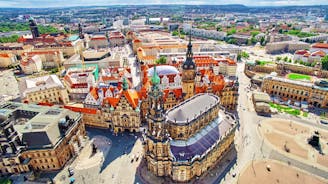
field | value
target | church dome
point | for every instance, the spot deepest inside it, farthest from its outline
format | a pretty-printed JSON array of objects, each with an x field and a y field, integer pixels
[{"x": 163, "y": 70}]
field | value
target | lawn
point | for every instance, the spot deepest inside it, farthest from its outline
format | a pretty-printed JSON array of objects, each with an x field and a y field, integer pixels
[
  {"x": 295, "y": 76},
  {"x": 300, "y": 34},
  {"x": 262, "y": 63},
  {"x": 289, "y": 110}
]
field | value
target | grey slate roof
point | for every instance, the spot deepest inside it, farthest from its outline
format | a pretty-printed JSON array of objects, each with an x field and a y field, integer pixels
[{"x": 191, "y": 108}]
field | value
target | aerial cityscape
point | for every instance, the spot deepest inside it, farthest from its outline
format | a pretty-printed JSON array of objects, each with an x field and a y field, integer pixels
[{"x": 156, "y": 92}]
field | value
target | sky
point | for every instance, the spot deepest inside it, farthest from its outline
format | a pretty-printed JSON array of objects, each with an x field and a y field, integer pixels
[{"x": 68, "y": 3}]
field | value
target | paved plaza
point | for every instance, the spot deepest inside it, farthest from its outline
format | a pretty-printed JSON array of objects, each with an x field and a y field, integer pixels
[
  {"x": 289, "y": 135},
  {"x": 270, "y": 171}
]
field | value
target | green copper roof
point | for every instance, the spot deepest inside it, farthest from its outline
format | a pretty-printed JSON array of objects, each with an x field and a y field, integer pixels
[
  {"x": 155, "y": 78},
  {"x": 125, "y": 84}
]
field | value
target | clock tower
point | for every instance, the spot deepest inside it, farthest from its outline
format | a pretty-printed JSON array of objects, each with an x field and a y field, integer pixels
[{"x": 188, "y": 73}]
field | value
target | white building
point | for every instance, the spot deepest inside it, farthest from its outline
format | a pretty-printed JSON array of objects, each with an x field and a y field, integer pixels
[{"x": 32, "y": 65}]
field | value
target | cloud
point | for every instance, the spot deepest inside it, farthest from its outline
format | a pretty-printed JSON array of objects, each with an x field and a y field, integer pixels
[{"x": 65, "y": 3}]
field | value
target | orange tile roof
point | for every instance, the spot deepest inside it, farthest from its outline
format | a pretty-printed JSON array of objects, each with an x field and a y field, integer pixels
[
  {"x": 301, "y": 52},
  {"x": 320, "y": 45},
  {"x": 81, "y": 109},
  {"x": 319, "y": 53},
  {"x": 132, "y": 96},
  {"x": 5, "y": 55},
  {"x": 112, "y": 101}
]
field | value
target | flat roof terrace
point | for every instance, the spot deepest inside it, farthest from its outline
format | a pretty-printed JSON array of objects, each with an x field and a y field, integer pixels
[{"x": 192, "y": 108}]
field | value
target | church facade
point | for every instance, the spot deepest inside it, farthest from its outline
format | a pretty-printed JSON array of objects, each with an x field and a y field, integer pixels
[{"x": 185, "y": 142}]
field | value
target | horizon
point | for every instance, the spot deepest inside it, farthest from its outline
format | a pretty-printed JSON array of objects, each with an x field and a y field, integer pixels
[{"x": 99, "y": 3}]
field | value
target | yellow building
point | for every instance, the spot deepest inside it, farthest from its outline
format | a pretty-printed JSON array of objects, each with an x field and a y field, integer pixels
[
  {"x": 45, "y": 89},
  {"x": 7, "y": 59},
  {"x": 186, "y": 142},
  {"x": 43, "y": 139},
  {"x": 315, "y": 94}
]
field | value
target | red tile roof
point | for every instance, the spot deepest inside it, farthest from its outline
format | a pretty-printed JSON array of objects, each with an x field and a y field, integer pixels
[
  {"x": 320, "y": 45},
  {"x": 319, "y": 53},
  {"x": 81, "y": 109}
]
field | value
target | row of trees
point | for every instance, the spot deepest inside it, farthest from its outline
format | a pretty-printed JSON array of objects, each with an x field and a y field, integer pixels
[
  {"x": 9, "y": 39},
  {"x": 324, "y": 62}
]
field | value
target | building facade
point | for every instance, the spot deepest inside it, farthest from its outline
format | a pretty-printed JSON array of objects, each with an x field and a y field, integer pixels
[
  {"x": 38, "y": 138},
  {"x": 315, "y": 94},
  {"x": 45, "y": 89}
]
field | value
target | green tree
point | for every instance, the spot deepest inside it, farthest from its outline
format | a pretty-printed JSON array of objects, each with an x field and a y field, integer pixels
[
  {"x": 239, "y": 57},
  {"x": 278, "y": 58},
  {"x": 280, "y": 31},
  {"x": 175, "y": 33},
  {"x": 232, "y": 31},
  {"x": 262, "y": 41},
  {"x": 254, "y": 33},
  {"x": 9, "y": 39},
  {"x": 324, "y": 62},
  {"x": 253, "y": 40},
  {"x": 161, "y": 60},
  {"x": 285, "y": 58},
  {"x": 244, "y": 55},
  {"x": 289, "y": 60},
  {"x": 232, "y": 41},
  {"x": 219, "y": 28}
]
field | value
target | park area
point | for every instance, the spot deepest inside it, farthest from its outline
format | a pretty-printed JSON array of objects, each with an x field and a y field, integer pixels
[
  {"x": 296, "y": 76},
  {"x": 288, "y": 110},
  {"x": 291, "y": 138},
  {"x": 269, "y": 171}
]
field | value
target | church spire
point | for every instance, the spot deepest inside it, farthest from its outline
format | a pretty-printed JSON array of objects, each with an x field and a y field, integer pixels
[
  {"x": 155, "y": 80},
  {"x": 189, "y": 63},
  {"x": 125, "y": 84}
]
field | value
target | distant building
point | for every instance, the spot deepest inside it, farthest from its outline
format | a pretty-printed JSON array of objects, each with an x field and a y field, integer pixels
[
  {"x": 240, "y": 39},
  {"x": 287, "y": 46},
  {"x": 67, "y": 44},
  {"x": 306, "y": 56},
  {"x": 279, "y": 38},
  {"x": 7, "y": 59},
  {"x": 116, "y": 39},
  {"x": 261, "y": 102},
  {"x": 38, "y": 138},
  {"x": 173, "y": 27},
  {"x": 31, "y": 65},
  {"x": 79, "y": 79},
  {"x": 50, "y": 59},
  {"x": 15, "y": 48},
  {"x": 126, "y": 21},
  {"x": 319, "y": 46},
  {"x": 98, "y": 42},
  {"x": 45, "y": 89},
  {"x": 212, "y": 34},
  {"x": 9, "y": 89},
  {"x": 103, "y": 59}
]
